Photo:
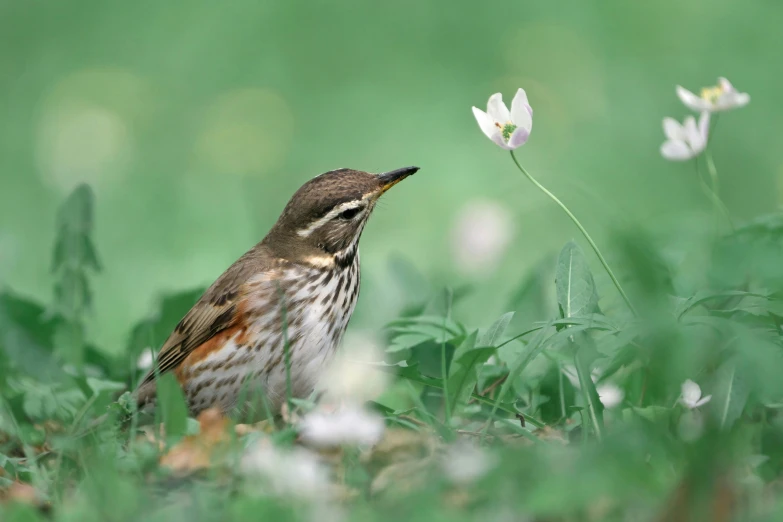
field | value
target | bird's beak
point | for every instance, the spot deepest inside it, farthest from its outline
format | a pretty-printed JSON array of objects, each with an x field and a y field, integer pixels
[{"x": 391, "y": 178}]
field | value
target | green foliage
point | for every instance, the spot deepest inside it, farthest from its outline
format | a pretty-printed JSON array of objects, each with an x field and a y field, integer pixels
[
  {"x": 533, "y": 394},
  {"x": 171, "y": 405},
  {"x": 74, "y": 254}
]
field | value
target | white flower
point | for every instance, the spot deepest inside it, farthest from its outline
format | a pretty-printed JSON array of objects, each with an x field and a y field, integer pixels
[
  {"x": 349, "y": 424},
  {"x": 464, "y": 463},
  {"x": 481, "y": 233},
  {"x": 610, "y": 394},
  {"x": 296, "y": 472},
  {"x": 691, "y": 395},
  {"x": 685, "y": 141},
  {"x": 721, "y": 97},
  {"x": 509, "y": 129},
  {"x": 144, "y": 362},
  {"x": 351, "y": 376}
]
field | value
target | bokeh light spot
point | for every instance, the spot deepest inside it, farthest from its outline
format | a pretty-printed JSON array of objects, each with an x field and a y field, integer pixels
[{"x": 246, "y": 132}]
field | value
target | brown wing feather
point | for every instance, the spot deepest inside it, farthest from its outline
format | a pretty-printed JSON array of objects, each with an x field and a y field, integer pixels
[
  {"x": 217, "y": 310},
  {"x": 206, "y": 319}
]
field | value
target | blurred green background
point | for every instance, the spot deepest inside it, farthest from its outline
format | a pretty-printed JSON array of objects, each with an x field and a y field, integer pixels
[{"x": 194, "y": 122}]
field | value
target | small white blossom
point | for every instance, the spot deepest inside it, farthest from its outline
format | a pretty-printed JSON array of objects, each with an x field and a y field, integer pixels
[
  {"x": 685, "y": 141},
  {"x": 691, "y": 395},
  {"x": 348, "y": 425},
  {"x": 481, "y": 234},
  {"x": 295, "y": 472},
  {"x": 721, "y": 97},
  {"x": 144, "y": 362},
  {"x": 351, "y": 376},
  {"x": 509, "y": 129},
  {"x": 465, "y": 463},
  {"x": 610, "y": 394}
]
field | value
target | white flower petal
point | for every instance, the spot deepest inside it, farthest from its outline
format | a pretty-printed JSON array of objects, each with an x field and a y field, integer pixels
[
  {"x": 691, "y": 392},
  {"x": 693, "y": 136},
  {"x": 732, "y": 100},
  {"x": 518, "y": 138},
  {"x": 350, "y": 424},
  {"x": 610, "y": 395},
  {"x": 294, "y": 472},
  {"x": 500, "y": 141},
  {"x": 741, "y": 99},
  {"x": 726, "y": 85},
  {"x": 465, "y": 463},
  {"x": 693, "y": 102},
  {"x": 521, "y": 111},
  {"x": 497, "y": 110},
  {"x": 145, "y": 360},
  {"x": 672, "y": 129},
  {"x": 676, "y": 150},
  {"x": 690, "y": 128},
  {"x": 702, "y": 401},
  {"x": 485, "y": 122}
]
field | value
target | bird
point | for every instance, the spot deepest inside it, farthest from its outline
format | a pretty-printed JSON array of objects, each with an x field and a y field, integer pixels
[{"x": 274, "y": 319}]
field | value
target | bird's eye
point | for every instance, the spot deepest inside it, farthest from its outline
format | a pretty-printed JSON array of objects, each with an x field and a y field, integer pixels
[{"x": 349, "y": 213}]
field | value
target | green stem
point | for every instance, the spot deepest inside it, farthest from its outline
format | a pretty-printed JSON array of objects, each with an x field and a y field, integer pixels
[
  {"x": 581, "y": 229},
  {"x": 713, "y": 173},
  {"x": 714, "y": 190},
  {"x": 710, "y": 191},
  {"x": 443, "y": 366}
]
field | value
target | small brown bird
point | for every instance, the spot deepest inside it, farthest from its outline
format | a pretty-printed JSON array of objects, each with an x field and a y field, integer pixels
[{"x": 298, "y": 286}]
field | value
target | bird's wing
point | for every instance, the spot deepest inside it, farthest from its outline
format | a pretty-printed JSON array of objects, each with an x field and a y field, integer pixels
[{"x": 218, "y": 309}]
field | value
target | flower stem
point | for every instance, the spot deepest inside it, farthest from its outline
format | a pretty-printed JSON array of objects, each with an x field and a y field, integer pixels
[
  {"x": 711, "y": 189},
  {"x": 443, "y": 367},
  {"x": 581, "y": 229}
]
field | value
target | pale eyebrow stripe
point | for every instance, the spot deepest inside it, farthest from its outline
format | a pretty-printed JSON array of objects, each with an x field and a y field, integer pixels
[{"x": 305, "y": 232}]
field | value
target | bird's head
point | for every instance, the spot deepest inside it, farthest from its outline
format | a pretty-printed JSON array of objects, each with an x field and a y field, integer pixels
[{"x": 324, "y": 219}]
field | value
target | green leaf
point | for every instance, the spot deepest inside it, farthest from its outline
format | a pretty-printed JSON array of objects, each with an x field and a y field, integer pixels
[
  {"x": 492, "y": 336},
  {"x": 426, "y": 323},
  {"x": 99, "y": 386},
  {"x": 43, "y": 401},
  {"x": 465, "y": 377},
  {"x": 534, "y": 348},
  {"x": 412, "y": 374},
  {"x": 654, "y": 414},
  {"x": 407, "y": 341},
  {"x": 463, "y": 373},
  {"x": 577, "y": 296},
  {"x": 576, "y": 293},
  {"x": 69, "y": 342},
  {"x": 26, "y": 338},
  {"x": 731, "y": 390},
  {"x": 704, "y": 296},
  {"x": 171, "y": 405},
  {"x": 595, "y": 408}
]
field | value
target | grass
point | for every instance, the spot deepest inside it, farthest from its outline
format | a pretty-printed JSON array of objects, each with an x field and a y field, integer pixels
[{"x": 482, "y": 421}]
